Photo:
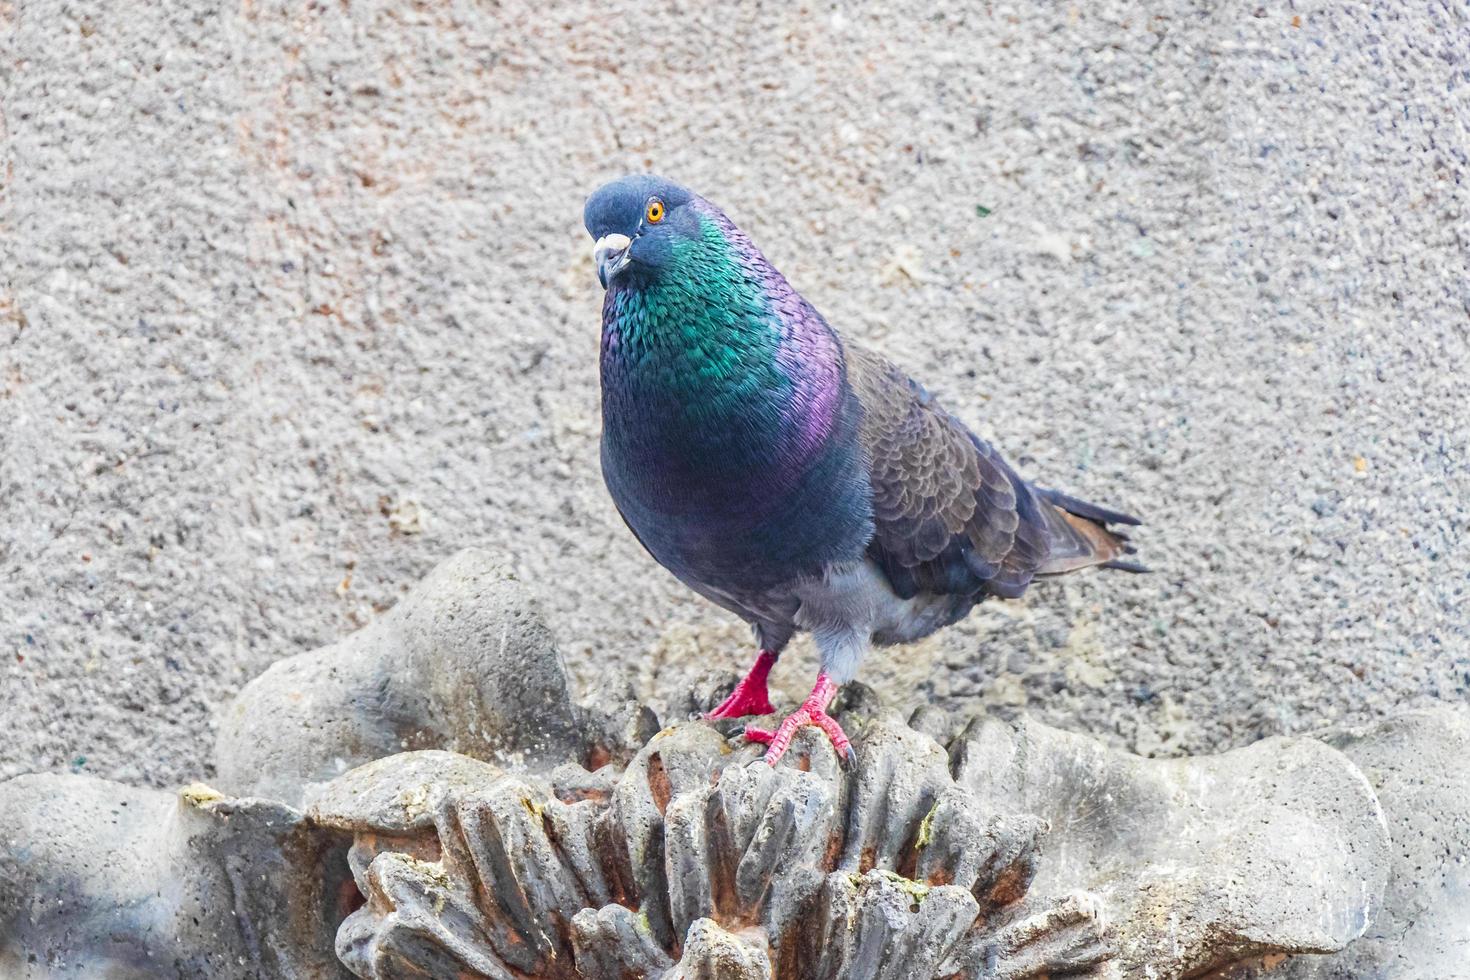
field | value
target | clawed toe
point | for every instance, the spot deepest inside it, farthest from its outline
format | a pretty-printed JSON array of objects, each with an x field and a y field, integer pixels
[
  {"x": 813, "y": 711},
  {"x": 834, "y": 732},
  {"x": 762, "y": 735}
]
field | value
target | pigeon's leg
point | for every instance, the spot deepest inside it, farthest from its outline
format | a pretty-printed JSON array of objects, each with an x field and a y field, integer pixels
[
  {"x": 750, "y": 696},
  {"x": 813, "y": 711}
]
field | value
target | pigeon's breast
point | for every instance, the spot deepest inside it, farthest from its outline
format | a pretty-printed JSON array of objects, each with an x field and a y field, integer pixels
[{"x": 730, "y": 502}]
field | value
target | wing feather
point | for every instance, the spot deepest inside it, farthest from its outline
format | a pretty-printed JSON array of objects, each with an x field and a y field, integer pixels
[{"x": 950, "y": 516}]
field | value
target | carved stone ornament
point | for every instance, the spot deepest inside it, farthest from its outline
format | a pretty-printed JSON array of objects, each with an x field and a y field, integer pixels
[{"x": 522, "y": 836}]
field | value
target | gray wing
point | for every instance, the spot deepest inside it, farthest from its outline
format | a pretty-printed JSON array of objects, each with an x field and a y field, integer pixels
[{"x": 950, "y": 516}]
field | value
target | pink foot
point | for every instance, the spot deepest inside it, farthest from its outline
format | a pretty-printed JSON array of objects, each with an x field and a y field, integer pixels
[
  {"x": 813, "y": 711},
  {"x": 749, "y": 696}
]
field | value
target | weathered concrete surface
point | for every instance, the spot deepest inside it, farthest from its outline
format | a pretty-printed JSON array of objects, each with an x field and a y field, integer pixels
[
  {"x": 464, "y": 663},
  {"x": 295, "y": 301}
]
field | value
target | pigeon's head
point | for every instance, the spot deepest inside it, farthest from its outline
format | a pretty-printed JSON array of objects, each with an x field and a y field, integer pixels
[{"x": 637, "y": 222}]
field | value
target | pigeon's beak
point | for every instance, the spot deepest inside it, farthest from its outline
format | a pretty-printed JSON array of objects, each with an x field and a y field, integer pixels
[{"x": 611, "y": 255}]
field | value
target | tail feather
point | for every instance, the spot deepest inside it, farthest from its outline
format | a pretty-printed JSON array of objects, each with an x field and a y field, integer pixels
[
  {"x": 1079, "y": 536},
  {"x": 1083, "y": 509},
  {"x": 1132, "y": 567}
]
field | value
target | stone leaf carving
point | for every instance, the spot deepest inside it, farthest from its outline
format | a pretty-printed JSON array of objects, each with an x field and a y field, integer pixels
[{"x": 700, "y": 861}]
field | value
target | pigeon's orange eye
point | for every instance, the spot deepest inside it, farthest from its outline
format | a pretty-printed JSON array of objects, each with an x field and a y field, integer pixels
[{"x": 655, "y": 211}]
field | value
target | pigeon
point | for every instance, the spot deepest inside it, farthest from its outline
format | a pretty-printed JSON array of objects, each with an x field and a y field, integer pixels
[{"x": 790, "y": 475}]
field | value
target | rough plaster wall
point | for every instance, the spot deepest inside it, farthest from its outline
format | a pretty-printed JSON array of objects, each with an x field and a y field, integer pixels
[{"x": 297, "y": 302}]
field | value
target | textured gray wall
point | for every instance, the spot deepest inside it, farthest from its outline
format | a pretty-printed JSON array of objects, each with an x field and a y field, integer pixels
[{"x": 284, "y": 282}]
